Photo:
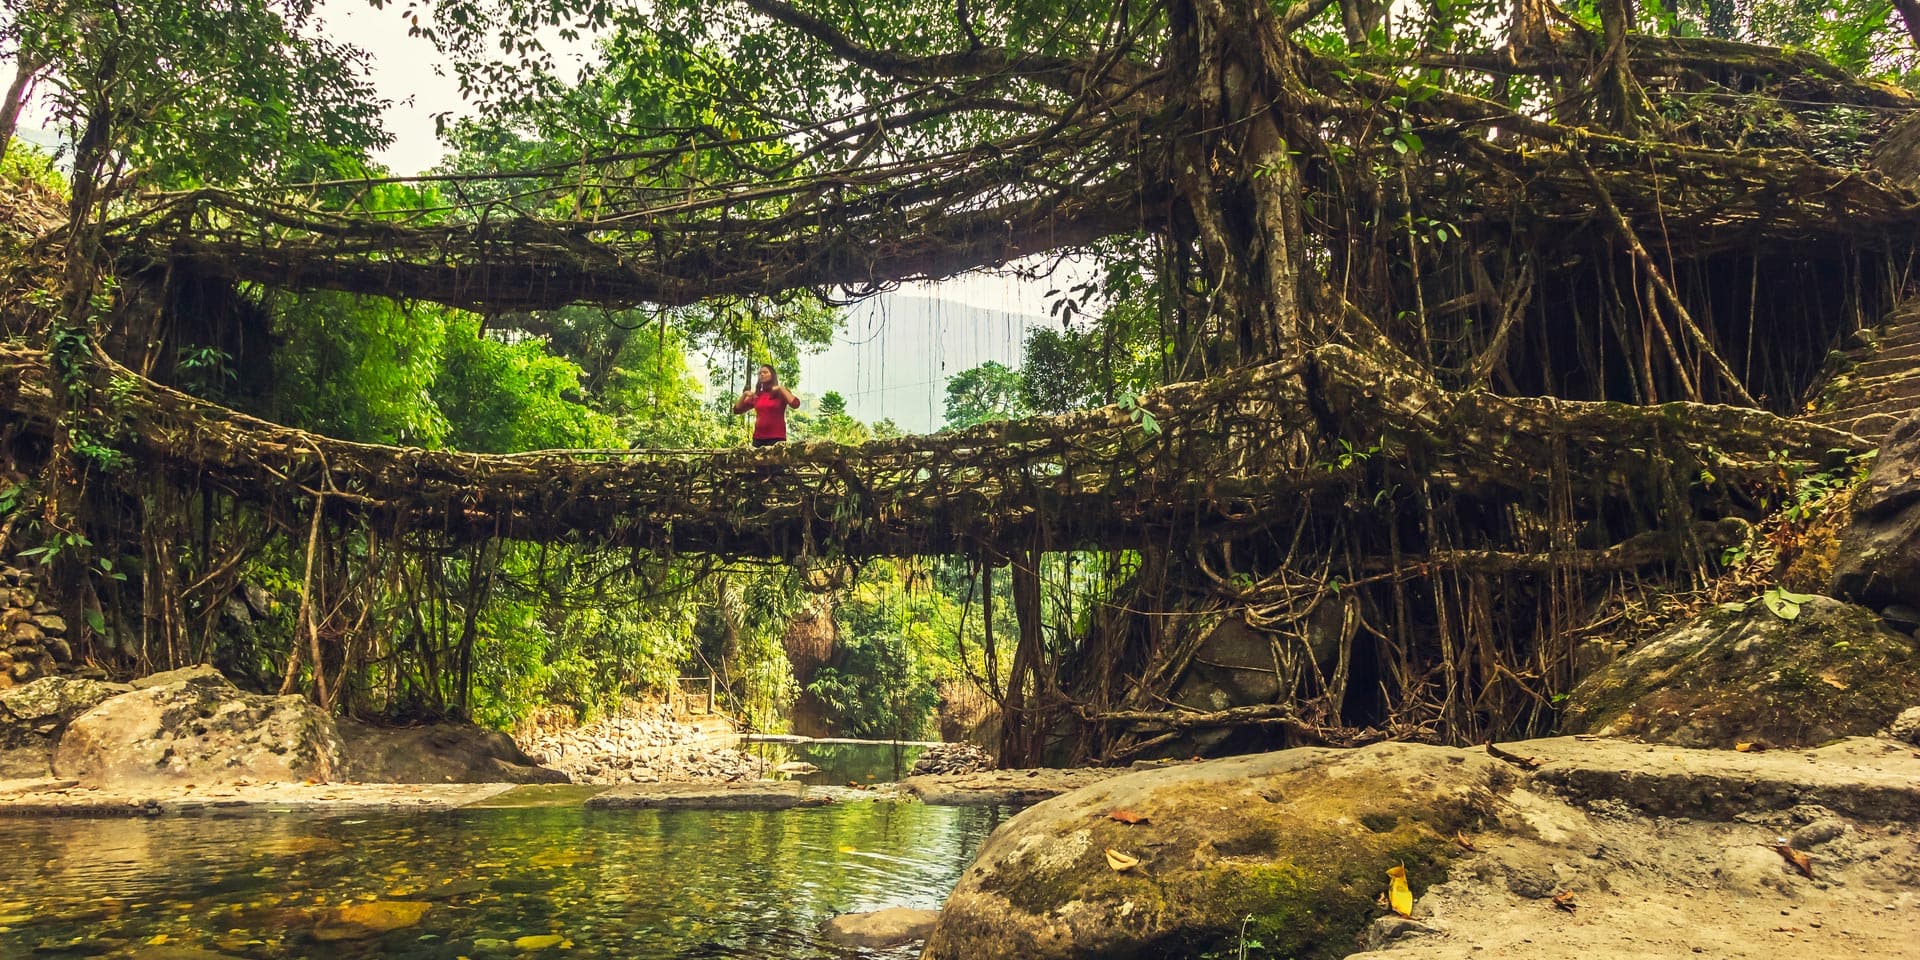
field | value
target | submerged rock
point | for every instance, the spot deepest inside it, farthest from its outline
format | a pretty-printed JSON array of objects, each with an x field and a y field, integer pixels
[
  {"x": 201, "y": 729},
  {"x": 880, "y": 929},
  {"x": 1288, "y": 848},
  {"x": 361, "y": 921},
  {"x": 762, "y": 795},
  {"x": 1747, "y": 675}
]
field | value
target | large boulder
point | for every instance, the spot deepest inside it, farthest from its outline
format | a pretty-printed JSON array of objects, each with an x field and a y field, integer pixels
[
  {"x": 1290, "y": 849},
  {"x": 33, "y": 716},
  {"x": 439, "y": 753},
  {"x": 1742, "y": 673},
  {"x": 199, "y": 729},
  {"x": 1878, "y": 560}
]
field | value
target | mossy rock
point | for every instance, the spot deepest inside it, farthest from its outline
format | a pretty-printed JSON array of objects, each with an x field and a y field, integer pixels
[
  {"x": 1299, "y": 841},
  {"x": 1734, "y": 675},
  {"x": 40, "y": 710}
]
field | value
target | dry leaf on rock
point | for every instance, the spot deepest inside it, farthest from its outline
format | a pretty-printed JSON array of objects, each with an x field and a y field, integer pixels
[
  {"x": 1800, "y": 861},
  {"x": 1120, "y": 862},
  {"x": 1127, "y": 817}
]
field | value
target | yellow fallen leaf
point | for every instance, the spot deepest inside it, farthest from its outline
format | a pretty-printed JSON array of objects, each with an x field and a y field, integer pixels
[
  {"x": 1743, "y": 746},
  {"x": 1399, "y": 896},
  {"x": 1120, "y": 862}
]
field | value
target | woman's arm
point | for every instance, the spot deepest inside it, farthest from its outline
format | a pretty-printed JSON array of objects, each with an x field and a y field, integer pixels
[
  {"x": 745, "y": 402},
  {"x": 792, "y": 399}
]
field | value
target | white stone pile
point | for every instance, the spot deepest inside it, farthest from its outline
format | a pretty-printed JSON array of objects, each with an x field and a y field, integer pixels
[
  {"x": 952, "y": 758},
  {"x": 643, "y": 744}
]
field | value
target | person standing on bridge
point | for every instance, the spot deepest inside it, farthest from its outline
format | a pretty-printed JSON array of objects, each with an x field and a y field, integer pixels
[{"x": 769, "y": 402}]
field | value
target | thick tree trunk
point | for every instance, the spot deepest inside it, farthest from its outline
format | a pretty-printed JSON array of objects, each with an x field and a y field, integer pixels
[
  {"x": 1020, "y": 736},
  {"x": 1237, "y": 177},
  {"x": 1910, "y": 15}
]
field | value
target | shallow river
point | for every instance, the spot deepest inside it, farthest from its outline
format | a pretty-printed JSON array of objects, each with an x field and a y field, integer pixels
[{"x": 612, "y": 884}]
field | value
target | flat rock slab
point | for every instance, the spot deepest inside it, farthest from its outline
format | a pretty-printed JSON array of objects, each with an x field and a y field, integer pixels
[
  {"x": 53, "y": 800},
  {"x": 541, "y": 795},
  {"x": 1011, "y": 787},
  {"x": 34, "y": 785},
  {"x": 708, "y": 796},
  {"x": 1869, "y": 778}
]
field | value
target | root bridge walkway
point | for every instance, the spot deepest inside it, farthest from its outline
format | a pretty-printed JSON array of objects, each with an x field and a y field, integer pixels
[{"x": 1214, "y": 459}]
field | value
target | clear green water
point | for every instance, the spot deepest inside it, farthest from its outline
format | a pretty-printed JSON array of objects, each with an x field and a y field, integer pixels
[
  {"x": 625, "y": 884},
  {"x": 841, "y": 763}
]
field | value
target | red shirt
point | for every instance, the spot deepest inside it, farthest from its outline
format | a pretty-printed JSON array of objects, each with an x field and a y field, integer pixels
[{"x": 769, "y": 416}]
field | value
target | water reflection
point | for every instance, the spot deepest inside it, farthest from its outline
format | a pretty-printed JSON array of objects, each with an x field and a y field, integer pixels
[
  {"x": 623, "y": 884},
  {"x": 837, "y": 763}
]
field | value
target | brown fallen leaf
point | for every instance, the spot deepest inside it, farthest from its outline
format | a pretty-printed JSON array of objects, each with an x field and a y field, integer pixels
[
  {"x": 1460, "y": 838},
  {"x": 1564, "y": 901},
  {"x": 1127, "y": 817},
  {"x": 1120, "y": 862},
  {"x": 1525, "y": 763},
  {"x": 1800, "y": 861}
]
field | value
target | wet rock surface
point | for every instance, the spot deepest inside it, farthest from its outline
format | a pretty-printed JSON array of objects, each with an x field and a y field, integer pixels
[
  {"x": 880, "y": 929},
  {"x": 1747, "y": 675}
]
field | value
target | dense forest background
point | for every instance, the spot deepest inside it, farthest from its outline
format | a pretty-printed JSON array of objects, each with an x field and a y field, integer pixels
[{"x": 170, "y": 97}]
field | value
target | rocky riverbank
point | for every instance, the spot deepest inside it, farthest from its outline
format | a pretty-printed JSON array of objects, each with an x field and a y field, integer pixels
[
  {"x": 646, "y": 743},
  {"x": 1542, "y": 849}
]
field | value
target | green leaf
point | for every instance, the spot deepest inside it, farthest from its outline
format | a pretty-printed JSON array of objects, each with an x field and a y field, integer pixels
[{"x": 1781, "y": 604}]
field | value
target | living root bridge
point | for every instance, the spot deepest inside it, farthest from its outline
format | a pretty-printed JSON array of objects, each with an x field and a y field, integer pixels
[{"x": 1230, "y": 456}]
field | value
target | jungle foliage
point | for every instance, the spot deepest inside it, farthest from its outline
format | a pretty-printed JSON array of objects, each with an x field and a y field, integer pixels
[{"x": 1431, "y": 337}]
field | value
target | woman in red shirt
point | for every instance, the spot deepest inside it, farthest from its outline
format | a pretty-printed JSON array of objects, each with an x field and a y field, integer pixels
[{"x": 769, "y": 402}]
